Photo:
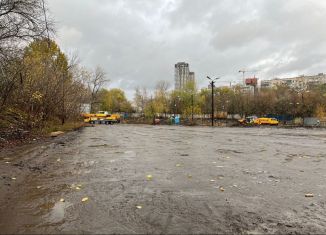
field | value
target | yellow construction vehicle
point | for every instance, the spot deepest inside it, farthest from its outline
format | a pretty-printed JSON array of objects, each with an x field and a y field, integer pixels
[
  {"x": 101, "y": 117},
  {"x": 266, "y": 121},
  {"x": 253, "y": 120}
]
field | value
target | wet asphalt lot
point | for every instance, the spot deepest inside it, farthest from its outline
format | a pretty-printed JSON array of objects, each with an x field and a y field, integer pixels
[{"x": 204, "y": 180}]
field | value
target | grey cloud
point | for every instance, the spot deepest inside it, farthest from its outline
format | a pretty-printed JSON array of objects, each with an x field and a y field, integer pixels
[{"x": 138, "y": 41}]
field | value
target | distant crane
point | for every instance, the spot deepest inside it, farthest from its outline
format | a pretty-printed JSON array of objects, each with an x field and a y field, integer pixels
[{"x": 243, "y": 71}]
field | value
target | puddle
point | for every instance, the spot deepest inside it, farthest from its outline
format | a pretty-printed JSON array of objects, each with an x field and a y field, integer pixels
[{"x": 57, "y": 211}]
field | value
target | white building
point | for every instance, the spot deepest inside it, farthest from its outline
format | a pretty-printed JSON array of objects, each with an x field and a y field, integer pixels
[{"x": 299, "y": 83}]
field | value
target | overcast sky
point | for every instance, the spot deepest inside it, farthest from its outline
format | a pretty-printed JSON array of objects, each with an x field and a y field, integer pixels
[{"x": 137, "y": 42}]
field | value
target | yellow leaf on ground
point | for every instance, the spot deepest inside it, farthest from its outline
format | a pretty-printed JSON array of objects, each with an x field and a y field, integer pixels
[
  {"x": 149, "y": 177},
  {"x": 85, "y": 199}
]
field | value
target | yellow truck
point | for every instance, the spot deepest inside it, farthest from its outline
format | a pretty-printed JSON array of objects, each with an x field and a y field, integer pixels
[
  {"x": 266, "y": 121},
  {"x": 101, "y": 117},
  {"x": 253, "y": 120}
]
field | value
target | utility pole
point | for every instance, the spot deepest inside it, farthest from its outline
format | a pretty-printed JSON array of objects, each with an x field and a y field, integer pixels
[{"x": 212, "y": 84}]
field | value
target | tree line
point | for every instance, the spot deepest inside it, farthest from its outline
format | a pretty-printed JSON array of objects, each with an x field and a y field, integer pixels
[{"x": 278, "y": 101}]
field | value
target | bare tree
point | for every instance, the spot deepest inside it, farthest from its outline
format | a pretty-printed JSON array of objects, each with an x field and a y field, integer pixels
[
  {"x": 96, "y": 82},
  {"x": 23, "y": 20},
  {"x": 162, "y": 86},
  {"x": 20, "y": 22},
  {"x": 161, "y": 96},
  {"x": 141, "y": 99}
]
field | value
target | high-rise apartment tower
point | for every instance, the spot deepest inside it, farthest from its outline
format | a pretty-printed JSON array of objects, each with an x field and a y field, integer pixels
[{"x": 182, "y": 75}]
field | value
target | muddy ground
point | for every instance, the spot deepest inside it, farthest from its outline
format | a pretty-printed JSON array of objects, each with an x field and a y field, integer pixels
[{"x": 204, "y": 180}]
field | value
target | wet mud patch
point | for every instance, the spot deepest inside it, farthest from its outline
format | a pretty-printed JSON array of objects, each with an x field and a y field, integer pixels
[
  {"x": 85, "y": 164},
  {"x": 315, "y": 158},
  {"x": 261, "y": 150},
  {"x": 103, "y": 146},
  {"x": 3, "y": 158},
  {"x": 6, "y": 180},
  {"x": 95, "y": 138},
  {"x": 229, "y": 151},
  {"x": 46, "y": 206},
  {"x": 290, "y": 157},
  {"x": 184, "y": 154},
  {"x": 36, "y": 192},
  {"x": 38, "y": 168}
]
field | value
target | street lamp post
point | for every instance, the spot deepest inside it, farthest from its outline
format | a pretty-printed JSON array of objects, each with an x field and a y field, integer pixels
[
  {"x": 176, "y": 102},
  {"x": 152, "y": 110},
  {"x": 212, "y": 83},
  {"x": 301, "y": 93},
  {"x": 63, "y": 100},
  {"x": 192, "y": 108},
  {"x": 174, "y": 107}
]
